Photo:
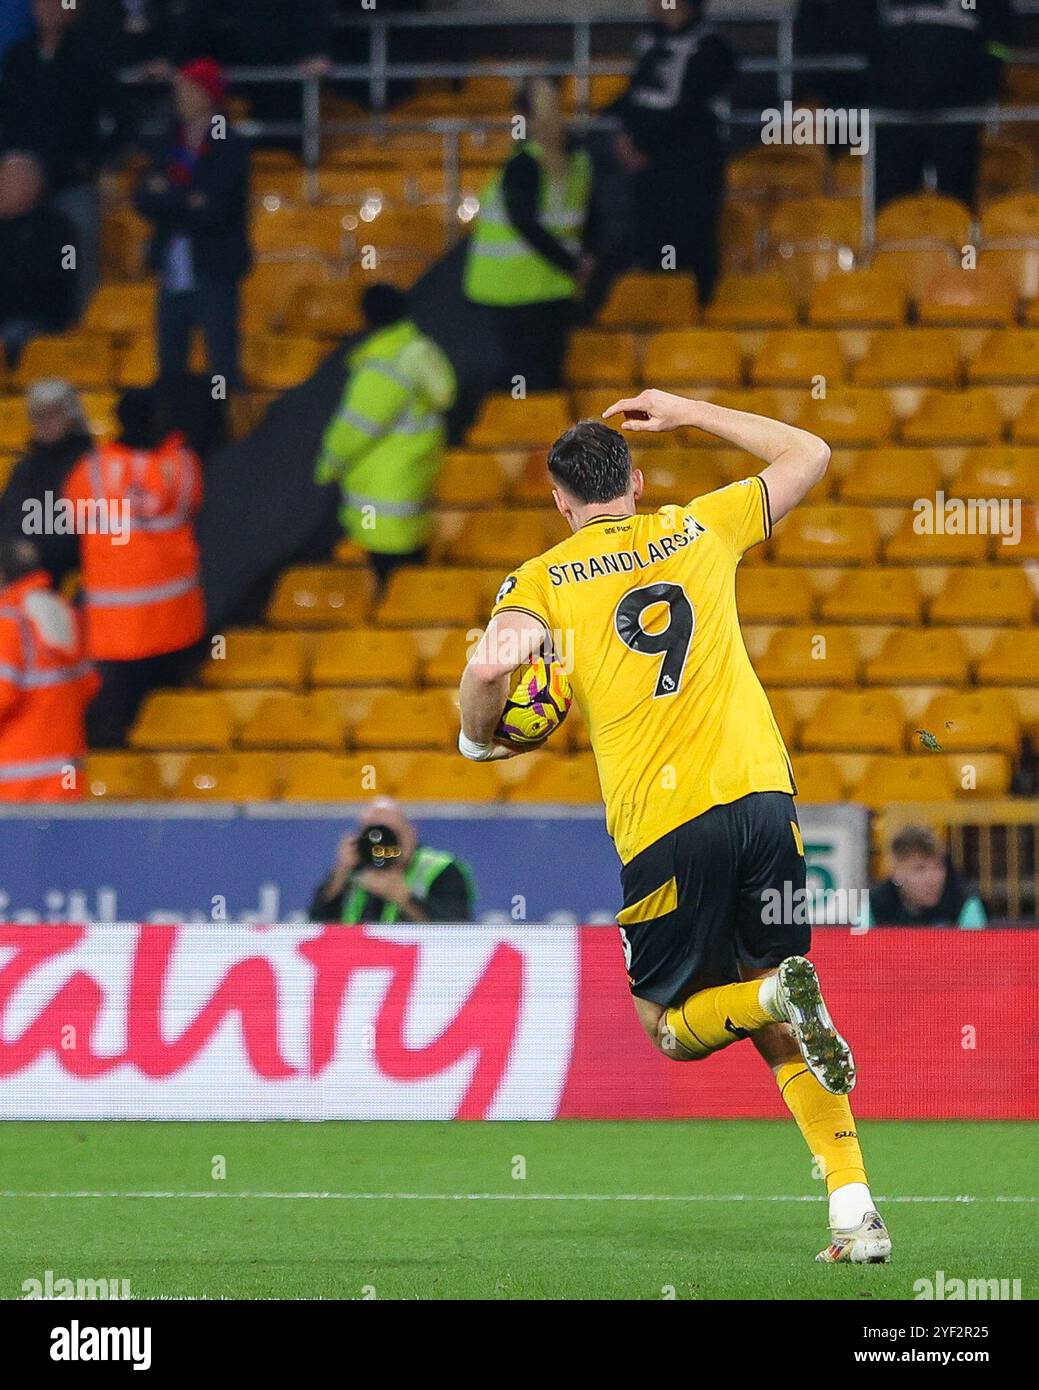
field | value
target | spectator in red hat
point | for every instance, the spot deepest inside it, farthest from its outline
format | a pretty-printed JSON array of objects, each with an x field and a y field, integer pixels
[{"x": 195, "y": 193}]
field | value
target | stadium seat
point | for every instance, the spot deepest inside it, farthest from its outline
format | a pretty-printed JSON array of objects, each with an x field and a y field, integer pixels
[
  {"x": 320, "y": 596},
  {"x": 121, "y": 311},
  {"x": 122, "y": 777},
  {"x": 468, "y": 479},
  {"x": 826, "y": 535},
  {"x": 752, "y": 301},
  {"x": 970, "y": 298},
  {"x": 427, "y": 596},
  {"x": 275, "y": 363},
  {"x": 181, "y": 719},
  {"x": 601, "y": 359},
  {"x": 798, "y": 357},
  {"x": 987, "y": 595},
  {"x": 1017, "y": 260},
  {"x": 1006, "y": 166},
  {"x": 893, "y": 778},
  {"x": 739, "y": 236},
  {"x": 554, "y": 778},
  {"x": 817, "y": 777},
  {"x": 677, "y": 477},
  {"x": 1028, "y": 546},
  {"x": 444, "y": 666},
  {"x": 14, "y": 424},
  {"x": 423, "y": 719},
  {"x": 855, "y": 721},
  {"x": 771, "y": 595},
  {"x": 506, "y": 538},
  {"x": 918, "y": 541},
  {"x": 1025, "y": 427},
  {"x": 857, "y": 299},
  {"x": 909, "y": 356},
  {"x": 365, "y": 656},
  {"x": 849, "y": 417},
  {"x": 278, "y": 228},
  {"x": 644, "y": 299},
  {"x": 980, "y": 774},
  {"x": 250, "y": 657},
  {"x": 447, "y": 777},
  {"x": 919, "y": 656},
  {"x": 1008, "y": 355},
  {"x": 688, "y": 356},
  {"x": 1006, "y": 471},
  {"x": 1013, "y": 659},
  {"x": 325, "y": 776},
  {"x": 85, "y": 360},
  {"x": 817, "y": 219},
  {"x": 872, "y": 595},
  {"x": 969, "y": 416},
  {"x": 506, "y": 423},
  {"x": 329, "y": 310},
  {"x": 912, "y": 265},
  {"x": 809, "y": 656},
  {"x": 270, "y": 288},
  {"x": 973, "y": 721},
  {"x": 889, "y": 477},
  {"x": 923, "y": 216},
  {"x": 227, "y": 777},
  {"x": 775, "y": 171},
  {"x": 295, "y": 721},
  {"x": 1013, "y": 216}
]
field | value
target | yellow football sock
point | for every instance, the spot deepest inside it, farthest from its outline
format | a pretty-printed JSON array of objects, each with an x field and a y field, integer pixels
[
  {"x": 713, "y": 1018},
  {"x": 825, "y": 1121}
]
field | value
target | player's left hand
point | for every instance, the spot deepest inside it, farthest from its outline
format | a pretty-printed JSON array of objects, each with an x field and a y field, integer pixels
[{"x": 654, "y": 410}]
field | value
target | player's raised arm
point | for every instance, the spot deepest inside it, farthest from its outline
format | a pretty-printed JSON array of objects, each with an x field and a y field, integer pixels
[
  {"x": 795, "y": 459},
  {"x": 511, "y": 638}
]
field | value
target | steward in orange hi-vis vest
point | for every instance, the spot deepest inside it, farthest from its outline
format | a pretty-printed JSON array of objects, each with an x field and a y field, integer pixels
[
  {"x": 140, "y": 572},
  {"x": 45, "y": 687}
]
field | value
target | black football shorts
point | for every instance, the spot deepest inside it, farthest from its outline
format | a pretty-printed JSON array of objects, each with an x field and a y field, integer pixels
[{"x": 723, "y": 890}]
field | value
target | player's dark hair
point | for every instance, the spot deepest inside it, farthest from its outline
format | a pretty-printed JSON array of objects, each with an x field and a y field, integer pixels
[
  {"x": 916, "y": 839},
  {"x": 592, "y": 462}
]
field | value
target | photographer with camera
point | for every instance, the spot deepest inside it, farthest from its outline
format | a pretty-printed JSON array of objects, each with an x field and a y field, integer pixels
[{"x": 382, "y": 874}]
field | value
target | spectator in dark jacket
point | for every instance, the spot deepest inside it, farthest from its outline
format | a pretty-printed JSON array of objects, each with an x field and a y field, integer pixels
[
  {"x": 670, "y": 145},
  {"x": 60, "y": 437},
  {"x": 195, "y": 192},
  {"x": 38, "y": 277},
  {"x": 59, "y": 98},
  {"x": 923, "y": 890}
]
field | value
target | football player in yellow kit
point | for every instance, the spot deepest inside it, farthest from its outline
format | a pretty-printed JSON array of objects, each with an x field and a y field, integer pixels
[{"x": 694, "y": 773}]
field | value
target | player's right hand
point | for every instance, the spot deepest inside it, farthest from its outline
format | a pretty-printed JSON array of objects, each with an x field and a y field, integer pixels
[{"x": 653, "y": 410}]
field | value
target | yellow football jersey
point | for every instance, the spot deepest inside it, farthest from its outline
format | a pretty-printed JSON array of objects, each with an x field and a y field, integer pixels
[{"x": 642, "y": 612}]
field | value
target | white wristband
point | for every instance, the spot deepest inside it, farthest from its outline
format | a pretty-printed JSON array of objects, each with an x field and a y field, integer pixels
[{"x": 475, "y": 752}]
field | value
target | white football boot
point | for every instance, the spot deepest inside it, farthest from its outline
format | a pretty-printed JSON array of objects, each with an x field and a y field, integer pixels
[
  {"x": 865, "y": 1244},
  {"x": 800, "y": 1003}
]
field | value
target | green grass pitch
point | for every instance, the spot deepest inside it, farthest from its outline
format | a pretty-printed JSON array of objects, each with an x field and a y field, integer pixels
[{"x": 415, "y": 1210}]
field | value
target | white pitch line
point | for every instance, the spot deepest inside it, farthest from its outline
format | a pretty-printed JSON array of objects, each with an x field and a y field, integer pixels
[{"x": 964, "y": 1199}]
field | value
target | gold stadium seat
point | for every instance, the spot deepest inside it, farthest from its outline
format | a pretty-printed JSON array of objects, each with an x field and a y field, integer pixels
[
  {"x": 445, "y": 665},
  {"x": 980, "y": 774},
  {"x": 1013, "y": 659},
  {"x": 892, "y": 778},
  {"x": 183, "y": 719},
  {"x": 796, "y": 356},
  {"x": 931, "y": 545},
  {"x": 990, "y": 594},
  {"x": 644, "y": 299},
  {"x": 815, "y": 219},
  {"x": 969, "y": 298},
  {"x": 365, "y": 656},
  {"x": 872, "y": 595},
  {"x": 969, "y": 416},
  {"x": 919, "y": 656},
  {"x": 809, "y": 656},
  {"x": 505, "y": 537},
  {"x": 295, "y": 721},
  {"x": 1007, "y": 355},
  {"x": 275, "y": 363},
  {"x": 1028, "y": 546},
  {"x": 923, "y": 216},
  {"x": 325, "y": 776},
  {"x": 227, "y": 777},
  {"x": 85, "y": 360},
  {"x": 601, "y": 359},
  {"x": 912, "y": 265},
  {"x": 282, "y": 229},
  {"x": 775, "y": 171},
  {"x": 765, "y": 594},
  {"x": 320, "y": 596},
  {"x": 137, "y": 364},
  {"x": 428, "y": 596},
  {"x": 505, "y": 423},
  {"x": 122, "y": 777},
  {"x": 270, "y": 288},
  {"x": 849, "y": 416},
  {"x": 468, "y": 479},
  {"x": 1005, "y": 471},
  {"x": 553, "y": 778},
  {"x": 857, "y": 299},
  {"x": 329, "y": 310},
  {"x": 752, "y": 301},
  {"x": 1017, "y": 260},
  {"x": 1025, "y": 428},
  {"x": 423, "y": 719},
  {"x": 827, "y": 536},
  {"x": 121, "y": 311},
  {"x": 1014, "y": 216},
  {"x": 1007, "y": 166},
  {"x": 739, "y": 232},
  {"x": 14, "y": 424},
  {"x": 448, "y": 777},
  {"x": 677, "y": 477},
  {"x": 887, "y": 477},
  {"x": 251, "y": 657},
  {"x": 817, "y": 777},
  {"x": 684, "y": 356},
  {"x": 855, "y": 721},
  {"x": 909, "y": 356},
  {"x": 973, "y": 721}
]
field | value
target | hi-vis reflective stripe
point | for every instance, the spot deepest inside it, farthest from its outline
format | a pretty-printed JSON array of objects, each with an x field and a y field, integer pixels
[
  {"x": 42, "y": 767},
  {"x": 385, "y": 367},
  {"x": 40, "y": 679},
  {"x": 372, "y": 428},
  {"x": 512, "y": 250},
  {"x": 145, "y": 593},
  {"x": 178, "y": 517},
  {"x": 950, "y": 15},
  {"x": 405, "y": 424},
  {"x": 358, "y": 501}
]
